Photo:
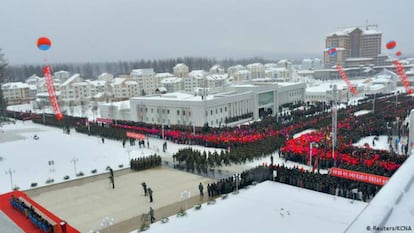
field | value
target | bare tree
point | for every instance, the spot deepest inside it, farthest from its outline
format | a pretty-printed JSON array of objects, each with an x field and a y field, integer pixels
[{"x": 3, "y": 65}]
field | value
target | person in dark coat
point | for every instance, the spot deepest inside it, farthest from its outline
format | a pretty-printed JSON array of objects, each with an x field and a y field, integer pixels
[
  {"x": 201, "y": 188},
  {"x": 152, "y": 214},
  {"x": 103, "y": 140},
  {"x": 112, "y": 181},
  {"x": 144, "y": 186},
  {"x": 150, "y": 194}
]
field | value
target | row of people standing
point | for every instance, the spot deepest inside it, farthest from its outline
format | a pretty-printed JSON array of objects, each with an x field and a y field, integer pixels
[{"x": 143, "y": 163}]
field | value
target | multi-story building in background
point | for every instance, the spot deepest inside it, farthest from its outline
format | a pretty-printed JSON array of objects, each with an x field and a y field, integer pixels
[
  {"x": 16, "y": 93},
  {"x": 353, "y": 46}
]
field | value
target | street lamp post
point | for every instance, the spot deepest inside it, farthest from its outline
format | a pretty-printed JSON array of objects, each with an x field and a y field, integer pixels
[
  {"x": 310, "y": 152},
  {"x": 10, "y": 172},
  {"x": 74, "y": 161}
]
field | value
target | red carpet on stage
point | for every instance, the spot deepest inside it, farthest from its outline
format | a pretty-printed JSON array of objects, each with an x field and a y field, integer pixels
[{"x": 21, "y": 220}]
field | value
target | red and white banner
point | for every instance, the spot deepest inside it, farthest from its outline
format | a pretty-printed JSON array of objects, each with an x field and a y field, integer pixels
[
  {"x": 401, "y": 72},
  {"x": 139, "y": 136},
  {"x": 345, "y": 78},
  {"x": 358, "y": 176},
  {"x": 104, "y": 120},
  {"x": 47, "y": 72}
]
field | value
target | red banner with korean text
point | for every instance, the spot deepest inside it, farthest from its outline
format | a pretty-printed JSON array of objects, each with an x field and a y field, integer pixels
[
  {"x": 139, "y": 136},
  {"x": 358, "y": 176},
  {"x": 345, "y": 78},
  {"x": 399, "y": 68},
  {"x": 47, "y": 72}
]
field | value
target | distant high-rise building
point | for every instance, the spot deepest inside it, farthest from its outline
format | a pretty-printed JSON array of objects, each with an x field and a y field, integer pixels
[{"x": 354, "y": 46}]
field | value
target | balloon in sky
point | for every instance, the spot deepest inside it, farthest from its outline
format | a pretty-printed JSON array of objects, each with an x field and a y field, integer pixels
[
  {"x": 391, "y": 44},
  {"x": 398, "y": 53},
  {"x": 44, "y": 43},
  {"x": 332, "y": 51}
]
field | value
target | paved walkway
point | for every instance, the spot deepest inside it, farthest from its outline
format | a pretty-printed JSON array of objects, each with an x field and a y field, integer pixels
[{"x": 85, "y": 204}]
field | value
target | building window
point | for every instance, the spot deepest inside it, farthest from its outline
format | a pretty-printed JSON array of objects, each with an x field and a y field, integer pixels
[
  {"x": 178, "y": 113},
  {"x": 183, "y": 113},
  {"x": 216, "y": 110},
  {"x": 168, "y": 111},
  {"x": 225, "y": 109},
  {"x": 221, "y": 110},
  {"x": 152, "y": 110},
  {"x": 211, "y": 112},
  {"x": 162, "y": 111}
]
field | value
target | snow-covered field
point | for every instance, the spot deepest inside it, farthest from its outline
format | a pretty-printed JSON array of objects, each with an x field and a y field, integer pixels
[
  {"x": 26, "y": 160},
  {"x": 267, "y": 207}
]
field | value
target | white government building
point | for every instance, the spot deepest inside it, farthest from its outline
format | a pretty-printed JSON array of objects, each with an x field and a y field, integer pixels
[{"x": 236, "y": 104}]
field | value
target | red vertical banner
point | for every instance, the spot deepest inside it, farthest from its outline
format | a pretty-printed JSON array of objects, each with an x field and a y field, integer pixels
[
  {"x": 47, "y": 72},
  {"x": 401, "y": 73},
  {"x": 345, "y": 78}
]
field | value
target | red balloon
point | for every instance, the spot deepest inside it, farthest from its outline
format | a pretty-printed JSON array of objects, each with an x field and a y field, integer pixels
[
  {"x": 398, "y": 53},
  {"x": 391, "y": 44},
  {"x": 44, "y": 43}
]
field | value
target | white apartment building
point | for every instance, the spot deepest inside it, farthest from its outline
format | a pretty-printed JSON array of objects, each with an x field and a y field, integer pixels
[
  {"x": 277, "y": 73},
  {"x": 75, "y": 90},
  {"x": 107, "y": 77},
  {"x": 257, "y": 70},
  {"x": 97, "y": 87},
  {"x": 34, "y": 80},
  {"x": 173, "y": 84},
  {"x": 240, "y": 76},
  {"x": 233, "y": 69},
  {"x": 196, "y": 79},
  {"x": 217, "y": 69},
  {"x": 16, "y": 92},
  {"x": 147, "y": 81},
  {"x": 123, "y": 88},
  {"x": 312, "y": 64},
  {"x": 181, "y": 70},
  {"x": 217, "y": 80},
  {"x": 62, "y": 76}
]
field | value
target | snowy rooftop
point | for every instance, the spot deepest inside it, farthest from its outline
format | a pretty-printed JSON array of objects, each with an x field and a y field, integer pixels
[
  {"x": 347, "y": 31},
  {"x": 163, "y": 75},
  {"x": 217, "y": 76},
  {"x": 71, "y": 79},
  {"x": 171, "y": 80},
  {"x": 14, "y": 85},
  {"x": 140, "y": 72},
  {"x": 268, "y": 207},
  {"x": 360, "y": 59},
  {"x": 118, "y": 81}
]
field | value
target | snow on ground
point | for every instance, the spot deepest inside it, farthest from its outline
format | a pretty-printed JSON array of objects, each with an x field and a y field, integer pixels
[
  {"x": 361, "y": 112},
  {"x": 380, "y": 144},
  {"x": 303, "y": 132},
  {"x": 267, "y": 207},
  {"x": 28, "y": 159}
]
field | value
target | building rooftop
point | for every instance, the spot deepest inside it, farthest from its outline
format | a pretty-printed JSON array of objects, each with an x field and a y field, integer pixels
[
  {"x": 347, "y": 31},
  {"x": 14, "y": 85}
]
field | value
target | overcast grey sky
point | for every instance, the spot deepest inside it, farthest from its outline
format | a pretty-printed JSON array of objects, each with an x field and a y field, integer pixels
[{"x": 113, "y": 30}]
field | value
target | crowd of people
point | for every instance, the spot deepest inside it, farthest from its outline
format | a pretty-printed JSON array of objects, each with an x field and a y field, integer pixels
[
  {"x": 143, "y": 163},
  {"x": 324, "y": 183},
  {"x": 31, "y": 214},
  {"x": 238, "y": 181}
]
